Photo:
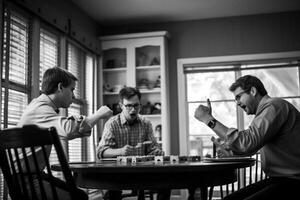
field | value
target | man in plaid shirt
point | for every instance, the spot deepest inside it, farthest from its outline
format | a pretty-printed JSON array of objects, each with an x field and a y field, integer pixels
[{"x": 124, "y": 134}]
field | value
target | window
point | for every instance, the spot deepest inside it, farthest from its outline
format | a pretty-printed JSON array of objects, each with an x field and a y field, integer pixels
[
  {"x": 200, "y": 87},
  {"x": 281, "y": 79},
  {"x": 15, "y": 87},
  {"x": 82, "y": 65},
  {"x": 15, "y": 69},
  {"x": 2, "y": 186}
]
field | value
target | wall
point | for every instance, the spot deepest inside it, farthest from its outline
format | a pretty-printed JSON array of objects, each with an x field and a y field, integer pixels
[{"x": 218, "y": 37}]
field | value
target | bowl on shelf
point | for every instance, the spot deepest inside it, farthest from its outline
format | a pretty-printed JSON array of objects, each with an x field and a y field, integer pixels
[{"x": 117, "y": 88}]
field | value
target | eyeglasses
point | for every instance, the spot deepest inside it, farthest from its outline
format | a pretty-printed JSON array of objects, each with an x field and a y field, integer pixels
[
  {"x": 131, "y": 106},
  {"x": 238, "y": 96}
]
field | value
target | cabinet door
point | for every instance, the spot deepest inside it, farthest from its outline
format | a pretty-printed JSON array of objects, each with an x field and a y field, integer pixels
[
  {"x": 148, "y": 80},
  {"x": 114, "y": 76}
]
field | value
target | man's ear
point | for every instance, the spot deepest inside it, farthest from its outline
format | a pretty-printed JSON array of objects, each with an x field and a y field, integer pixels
[
  {"x": 253, "y": 91},
  {"x": 59, "y": 87}
]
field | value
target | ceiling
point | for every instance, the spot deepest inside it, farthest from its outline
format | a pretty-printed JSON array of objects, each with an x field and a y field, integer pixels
[{"x": 123, "y": 12}]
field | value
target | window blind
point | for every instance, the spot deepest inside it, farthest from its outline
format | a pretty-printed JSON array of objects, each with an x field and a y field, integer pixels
[
  {"x": 17, "y": 102},
  {"x": 17, "y": 41},
  {"x": 74, "y": 64},
  {"x": 48, "y": 51},
  {"x": 75, "y": 146},
  {"x": 15, "y": 86}
]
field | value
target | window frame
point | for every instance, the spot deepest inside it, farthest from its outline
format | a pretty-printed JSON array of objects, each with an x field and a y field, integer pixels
[
  {"x": 6, "y": 84},
  {"x": 184, "y": 146}
]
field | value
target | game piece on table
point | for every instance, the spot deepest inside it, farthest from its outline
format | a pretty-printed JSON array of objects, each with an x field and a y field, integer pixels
[
  {"x": 174, "y": 159},
  {"x": 158, "y": 159}
]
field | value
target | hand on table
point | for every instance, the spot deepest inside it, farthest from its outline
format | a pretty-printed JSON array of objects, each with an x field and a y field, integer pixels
[
  {"x": 127, "y": 150},
  {"x": 221, "y": 148},
  {"x": 157, "y": 152}
]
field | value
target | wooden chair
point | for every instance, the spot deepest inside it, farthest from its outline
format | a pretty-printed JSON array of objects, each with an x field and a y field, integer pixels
[
  {"x": 25, "y": 180},
  {"x": 246, "y": 176}
]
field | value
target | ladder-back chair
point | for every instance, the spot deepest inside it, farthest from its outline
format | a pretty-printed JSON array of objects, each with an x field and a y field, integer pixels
[
  {"x": 21, "y": 165},
  {"x": 245, "y": 176}
]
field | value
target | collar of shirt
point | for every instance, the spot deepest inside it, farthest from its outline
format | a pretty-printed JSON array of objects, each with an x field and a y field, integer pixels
[
  {"x": 124, "y": 120},
  {"x": 261, "y": 103},
  {"x": 44, "y": 97}
]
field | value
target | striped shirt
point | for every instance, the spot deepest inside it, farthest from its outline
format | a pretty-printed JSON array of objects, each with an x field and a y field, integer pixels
[{"x": 118, "y": 132}]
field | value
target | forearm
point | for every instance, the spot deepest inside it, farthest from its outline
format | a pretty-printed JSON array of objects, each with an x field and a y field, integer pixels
[
  {"x": 101, "y": 113},
  {"x": 111, "y": 153},
  {"x": 93, "y": 119},
  {"x": 220, "y": 129}
]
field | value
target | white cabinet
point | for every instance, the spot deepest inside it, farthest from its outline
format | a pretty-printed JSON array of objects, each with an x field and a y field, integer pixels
[{"x": 138, "y": 60}]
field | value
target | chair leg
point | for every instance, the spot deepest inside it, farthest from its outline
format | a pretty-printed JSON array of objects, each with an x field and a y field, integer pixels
[
  {"x": 151, "y": 195},
  {"x": 141, "y": 195}
]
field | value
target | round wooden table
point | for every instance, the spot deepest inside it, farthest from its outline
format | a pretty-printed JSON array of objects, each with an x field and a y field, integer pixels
[{"x": 112, "y": 175}]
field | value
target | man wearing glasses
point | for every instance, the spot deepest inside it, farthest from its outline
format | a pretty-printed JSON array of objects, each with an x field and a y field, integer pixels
[
  {"x": 124, "y": 134},
  {"x": 275, "y": 131}
]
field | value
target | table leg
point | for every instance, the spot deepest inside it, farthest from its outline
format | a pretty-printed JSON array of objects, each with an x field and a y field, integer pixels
[
  {"x": 191, "y": 193},
  {"x": 203, "y": 193}
]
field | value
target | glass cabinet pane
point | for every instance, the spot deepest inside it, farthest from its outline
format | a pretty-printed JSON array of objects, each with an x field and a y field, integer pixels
[
  {"x": 114, "y": 58},
  {"x": 147, "y": 56}
]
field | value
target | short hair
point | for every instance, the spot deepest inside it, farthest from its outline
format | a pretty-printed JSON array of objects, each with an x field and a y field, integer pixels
[
  {"x": 53, "y": 76},
  {"x": 128, "y": 92},
  {"x": 248, "y": 81}
]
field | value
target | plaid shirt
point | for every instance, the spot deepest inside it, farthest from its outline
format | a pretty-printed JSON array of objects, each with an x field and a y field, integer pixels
[{"x": 118, "y": 132}]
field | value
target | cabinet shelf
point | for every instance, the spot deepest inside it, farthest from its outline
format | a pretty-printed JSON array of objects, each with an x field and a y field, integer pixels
[
  {"x": 149, "y": 67},
  {"x": 119, "y": 69},
  {"x": 110, "y": 93},
  {"x": 148, "y": 91}
]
